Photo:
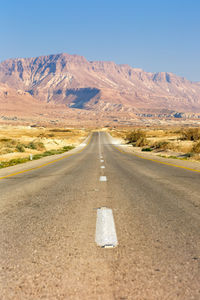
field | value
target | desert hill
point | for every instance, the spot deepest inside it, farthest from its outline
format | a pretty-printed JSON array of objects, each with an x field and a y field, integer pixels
[
  {"x": 19, "y": 106},
  {"x": 73, "y": 82}
]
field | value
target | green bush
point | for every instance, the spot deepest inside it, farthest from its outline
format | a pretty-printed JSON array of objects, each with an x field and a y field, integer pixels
[
  {"x": 36, "y": 146},
  {"x": 53, "y": 152},
  {"x": 147, "y": 149},
  {"x": 16, "y": 161},
  {"x": 20, "y": 148},
  {"x": 38, "y": 156},
  {"x": 189, "y": 154},
  {"x": 13, "y": 162},
  {"x": 31, "y": 145},
  {"x": 67, "y": 148}
]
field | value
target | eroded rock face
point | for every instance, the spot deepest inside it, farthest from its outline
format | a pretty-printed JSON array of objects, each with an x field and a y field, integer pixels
[{"x": 99, "y": 86}]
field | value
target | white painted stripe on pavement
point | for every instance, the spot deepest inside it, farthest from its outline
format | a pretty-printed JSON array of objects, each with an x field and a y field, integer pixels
[
  {"x": 102, "y": 167},
  {"x": 103, "y": 178},
  {"x": 102, "y": 160},
  {"x": 99, "y": 144},
  {"x": 106, "y": 236}
]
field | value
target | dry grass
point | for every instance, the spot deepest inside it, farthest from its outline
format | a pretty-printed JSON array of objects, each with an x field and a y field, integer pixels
[
  {"x": 191, "y": 134},
  {"x": 196, "y": 147},
  {"x": 179, "y": 141},
  {"x": 21, "y": 141},
  {"x": 137, "y": 138}
]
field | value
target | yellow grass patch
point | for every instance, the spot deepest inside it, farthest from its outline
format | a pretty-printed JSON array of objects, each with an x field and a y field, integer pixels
[
  {"x": 21, "y": 141},
  {"x": 169, "y": 141}
]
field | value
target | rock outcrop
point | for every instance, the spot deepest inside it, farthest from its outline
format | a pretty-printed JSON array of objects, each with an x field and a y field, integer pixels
[{"x": 99, "y": 86}]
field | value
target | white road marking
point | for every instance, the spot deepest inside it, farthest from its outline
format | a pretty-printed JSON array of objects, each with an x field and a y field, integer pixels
[
  {"x": 106, "y": 236},
  {"x": 99, "y": 143},
  {"x": 102, "y": 167},
  {"x": 103, "y": 178},
  {"x": 101, "y": 160}
]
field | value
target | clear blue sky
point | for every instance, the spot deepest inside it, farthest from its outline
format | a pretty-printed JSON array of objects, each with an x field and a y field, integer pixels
[{"x": 155, "y": 35}]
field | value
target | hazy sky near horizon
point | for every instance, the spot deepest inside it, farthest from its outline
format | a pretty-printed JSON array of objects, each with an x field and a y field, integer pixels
[{"x": 155, "y": 35}]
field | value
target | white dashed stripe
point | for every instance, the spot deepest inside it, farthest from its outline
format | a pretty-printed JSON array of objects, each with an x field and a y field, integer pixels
[
  {"x": 103, "y": 178},
  {"x": 106, "y": 236}
]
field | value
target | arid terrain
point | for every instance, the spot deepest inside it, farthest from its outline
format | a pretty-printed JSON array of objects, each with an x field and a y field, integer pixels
[
  {"x": 178, "y": 143},
  {"x": 19, "y": 142},
  {"x": 67, "y": 89}
]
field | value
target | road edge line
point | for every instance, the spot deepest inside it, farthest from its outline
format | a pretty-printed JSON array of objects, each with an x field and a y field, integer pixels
[{"x": 157, "y": 161}]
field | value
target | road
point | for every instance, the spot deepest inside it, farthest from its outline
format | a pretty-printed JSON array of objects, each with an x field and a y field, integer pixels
[{"x": 48, "y": 221}]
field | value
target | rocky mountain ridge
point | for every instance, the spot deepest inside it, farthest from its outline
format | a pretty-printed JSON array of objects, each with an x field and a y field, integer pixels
[{"x": 99, "y": 86}]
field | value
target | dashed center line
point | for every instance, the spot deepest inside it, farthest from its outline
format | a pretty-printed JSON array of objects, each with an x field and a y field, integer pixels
[
  {"x": 101, "y": 160},
  {"x": 103, "y": 178},
  {"x": 106, "y": 236},
  {"x": 102, "y": 167}
]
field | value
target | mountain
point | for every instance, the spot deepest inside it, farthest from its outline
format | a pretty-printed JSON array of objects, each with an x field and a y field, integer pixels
[
  {"x": 11, "y": 100},
  {"x": 73, "y": 82},
  {"x": 18, "y": 105}
]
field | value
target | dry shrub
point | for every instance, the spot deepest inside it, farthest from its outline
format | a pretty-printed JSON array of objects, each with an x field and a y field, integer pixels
[
  {"x": 3, "y": 140},
  {"x": 118, "y": 133},
  {"x": 60, "y": 130},
  {"x": 191, "y": 134},
  {"x": 36, "y": 146},
  {"x": 141, "y": 142},
  {"x": 20, "y": 148},
  {"x": 185, "y": 148},
  {"x": 10, "y": 143},
  {"x": 196, "y": 148},
  {"x": 5, "y": 151},
  {"x": 196, "y": 156},
  {"x": 163, "y": 145},
  {"x": 136, "y": 137},
  {"x": 40, "y": 146}
]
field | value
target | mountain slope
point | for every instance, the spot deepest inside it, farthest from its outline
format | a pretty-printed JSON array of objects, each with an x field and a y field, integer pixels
[
  {"x": 99, "y": 86},
  {"x": 19, "y": 106},
  {"x": 12, "y": 101}
]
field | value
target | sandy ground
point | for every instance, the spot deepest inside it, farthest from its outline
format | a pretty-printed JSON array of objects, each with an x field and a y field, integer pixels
[
  {"x": 176, "y": 149},
  {"x": 51, "y": 138}
]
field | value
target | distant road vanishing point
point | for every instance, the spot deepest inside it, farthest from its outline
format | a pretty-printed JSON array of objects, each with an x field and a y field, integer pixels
[{"x": 148, "y": 240}]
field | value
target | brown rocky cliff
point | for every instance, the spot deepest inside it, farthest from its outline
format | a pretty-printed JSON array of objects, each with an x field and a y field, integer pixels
[{"x": 78, "y": 83}]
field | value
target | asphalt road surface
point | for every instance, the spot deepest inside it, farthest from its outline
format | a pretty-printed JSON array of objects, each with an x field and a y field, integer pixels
[{"x": 48, "y": 223}]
